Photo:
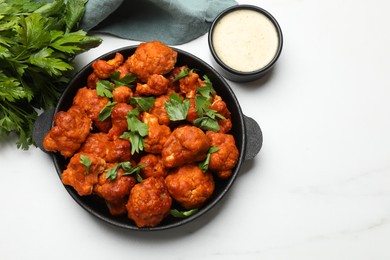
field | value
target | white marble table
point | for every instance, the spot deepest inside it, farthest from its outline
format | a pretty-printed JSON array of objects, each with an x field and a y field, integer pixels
[{"x": 319, "y": 189}]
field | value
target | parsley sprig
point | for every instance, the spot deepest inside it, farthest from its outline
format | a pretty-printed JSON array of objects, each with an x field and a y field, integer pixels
[
  {"x": 84, "y": 160},
  {"x": 207, "y": 119},
  {"x": 38, "y": 40},
  {"x": 105, "y": 87},
  {"x": 204, "y": 165},
  {"x": 183, "y": 73},
  {"x": 125, "y": 81},
  {"x": 143, "y": 103},
  {"x": 106, "y": 110},
  {"x": 137, "y": 131},
  {"x": 177, "y": 108},
  {"x": 183, "y": 214},
  {"x": 112, "y": 173}
]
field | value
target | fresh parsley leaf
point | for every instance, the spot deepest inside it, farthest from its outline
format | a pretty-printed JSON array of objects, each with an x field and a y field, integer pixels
[
  {"x": 104, "y": 88},
  {"x": 137, "y": 142},
  {"x": 138, "y": 177},
  {"x": 133, "y": 170},
  {"x": 32, "y": 32},
  {"x": 70, "y": 42},
  {"x": 207, "y": 123},
  {"x": 213, "y": 114},
  {"x": 17, "y": 117},
  {"x": 84, "y": 160},
  {"x": 176, "y": 108},
  {"x": 53, "y": 66},
  {"x": 144, "y": 103},
  {"x": 126, "y": 166},
  {"x": 205, "y": 164},
  {"x": 112, "y": 173},
  {"x": 137, "y": 131},
  {"x": 183, "y": 73},
  {"x": 201, "y": 104},
  {"x": 12, "y": 90},
  {"x": 51, "y": 9},
  {"x": 136, "y": 126},
  {"x": 106, "y": 111},
  {"x": 183, "y": 214},
  {"x": 75, "y": 10},
  {"x": 207, "y": 116},
  {"x": 213, "y": 149},
  {"x": 124, "y": 81},
  {"x": 206, "y": 90}
]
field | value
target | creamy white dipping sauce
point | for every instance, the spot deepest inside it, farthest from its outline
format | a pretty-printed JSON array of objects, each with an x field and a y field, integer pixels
[{"x": 245, "y": 40}]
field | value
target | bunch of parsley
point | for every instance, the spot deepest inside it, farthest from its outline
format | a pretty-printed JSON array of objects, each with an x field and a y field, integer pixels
[{"x": 38, "y": 41}]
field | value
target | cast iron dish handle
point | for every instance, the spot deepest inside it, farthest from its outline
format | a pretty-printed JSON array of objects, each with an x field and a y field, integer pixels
[
  {"x": 254, "y": 135},
  {"x": 42, "y": 126}
]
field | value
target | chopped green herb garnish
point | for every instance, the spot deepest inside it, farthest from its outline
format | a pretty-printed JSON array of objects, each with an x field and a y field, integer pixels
[
  {"x": 207, "y": 89},
  {"x": 137, "y": 141},
  {"x": 176, "y": 108},
  {"x": 207, "y": 117},
  {"x": 112, "y": 173},
  {"x": 133, "y": 170},
  {"x": 183, "y": 214},
  {"x": 207, "y": 123},
  {"x": 137, "y": 131},
  {"x": 183, "y": 73},
  {"x": 135, "y": 125},
  {"x": 124, "y": 81},
  {"x": 106, "y": 111},
  {"x": 84, "y": 160},
  {"x": 104, "y": 88},
  {"x": 201, "y": 104},
  {"x": 144, "y": 103},
  {"x": 205, "y": 164}
]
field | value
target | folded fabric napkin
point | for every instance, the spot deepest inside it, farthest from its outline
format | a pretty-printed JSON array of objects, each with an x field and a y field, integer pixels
[{"x": 172, "y": 22}]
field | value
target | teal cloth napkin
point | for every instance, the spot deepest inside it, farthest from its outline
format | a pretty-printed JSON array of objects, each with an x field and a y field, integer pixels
[{"x": 172, "y": 22}]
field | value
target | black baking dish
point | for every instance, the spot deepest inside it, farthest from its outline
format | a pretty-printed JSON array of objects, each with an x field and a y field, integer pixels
[{"x": 245, "y": 130}]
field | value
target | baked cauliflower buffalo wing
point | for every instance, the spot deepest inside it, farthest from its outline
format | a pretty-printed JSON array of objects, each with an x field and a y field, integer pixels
[
  {"x": 156, "y": 85},
  {"x": 82, "y": 172},
  {"x": 115, "y": 192},
  {"x": 122, "y": 94},
  {"x": 151, "y": 58},
  {"x": 103, "y": 69},
  {"x": 159, "y": 110},
  {"x": 157, "y": 136},
  {"x": 88, "y": 100},
  {"x": 189, "y": 186},
  {"x": 149, "y": 202},
  {"x": 100, "y": 144},
  {"x": 186, "y": 144},
  {"x": 220, "y": 106},
  {"x": 225, "y": 158},
  {"x": 189, "y": 84},
  {"x": 153, "y": 166},
  {"x": 70, "y": 130},
  {"x": 119, "y": 120}
]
